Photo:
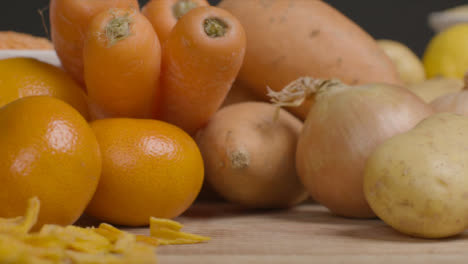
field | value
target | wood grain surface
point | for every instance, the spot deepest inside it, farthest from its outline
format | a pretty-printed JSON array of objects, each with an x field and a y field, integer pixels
[{"x": 305, "y": 234}]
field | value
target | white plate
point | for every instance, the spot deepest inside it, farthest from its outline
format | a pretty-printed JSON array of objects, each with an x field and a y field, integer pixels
[{"x": 48, "y": 56}]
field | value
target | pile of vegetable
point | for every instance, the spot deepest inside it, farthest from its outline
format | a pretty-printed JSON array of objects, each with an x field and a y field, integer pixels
[
  {"x": 383, "y": 132},
  {"x": 264, "y": 102}
]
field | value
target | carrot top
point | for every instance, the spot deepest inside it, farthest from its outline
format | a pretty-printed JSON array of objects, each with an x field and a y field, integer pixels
[
  {"x": 182, "y": 7},
  {"x": 118, "y": 28},
  {"x": 215, "y": 27}
]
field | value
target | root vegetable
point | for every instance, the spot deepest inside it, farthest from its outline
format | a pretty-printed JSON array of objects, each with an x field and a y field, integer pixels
[
  {"x": 239, "y": 93},
  {"x": 164, "y": 14},
  {"x": 409, "y": 66},
  {"x": 288, "y": 39},
  {"x": 454, "y": 102},
  {"x": 69, "y": 20},
  {"x": 122, "y": 59},
  {"x": 431, "y": 89},
  {"x": 201, "y": 59},
  {"x": 417, "y": 182},
  {"x": 250, "y": 157}
]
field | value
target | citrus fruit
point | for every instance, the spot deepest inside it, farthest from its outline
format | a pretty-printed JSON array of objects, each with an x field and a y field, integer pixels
[
  {"x": 150, "y": 168},
  {"x": 49, "y": 151},
  {"x": 21, "y": 77},
  {"x": 447, "y": 53}
]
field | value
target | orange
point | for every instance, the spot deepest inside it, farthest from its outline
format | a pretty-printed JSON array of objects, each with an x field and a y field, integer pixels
[
  {"x": 150, "y": 168},
  {"x": 47, "y": 150},
  {"x": 21, "y": 77}
]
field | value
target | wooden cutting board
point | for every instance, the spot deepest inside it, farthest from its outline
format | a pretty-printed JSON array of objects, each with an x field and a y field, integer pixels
[{"x": 305, "y": 234}]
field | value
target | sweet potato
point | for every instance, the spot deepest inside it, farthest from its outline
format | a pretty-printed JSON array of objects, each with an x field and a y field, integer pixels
[{"x": 289, "y": 39}]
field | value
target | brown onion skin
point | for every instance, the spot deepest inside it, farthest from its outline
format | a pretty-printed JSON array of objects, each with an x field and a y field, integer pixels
[
  {"x": 431, "y": 89},
  {"x": 341, "y": 131},
  {"x": 249, "y": 155},
  {"x": 455, "y": 103}
]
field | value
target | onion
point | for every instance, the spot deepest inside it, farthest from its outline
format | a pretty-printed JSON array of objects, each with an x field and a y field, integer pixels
[
  {"x": 431, "y": 89},
  {"x": 454, "y": 102},
  {"x": 342, "y": 128}
]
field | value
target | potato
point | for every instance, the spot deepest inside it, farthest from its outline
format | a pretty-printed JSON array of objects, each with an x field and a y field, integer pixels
[
  {"x": 250, "y": 156},
  {"x": 409, "y": 66},
  {"x": 417, "y": 182}
]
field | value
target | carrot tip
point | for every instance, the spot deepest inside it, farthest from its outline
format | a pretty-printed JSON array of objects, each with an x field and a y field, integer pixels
[
  {"x": 182, "y": 7},
  {"x": 215, "y": 27},
  {"x": 118, "y": 28}
]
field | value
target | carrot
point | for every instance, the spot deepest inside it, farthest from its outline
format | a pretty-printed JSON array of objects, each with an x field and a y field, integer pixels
[
  {"x": 69, "y": 20},
  {"x": 122, "y": 59},
  {"x": 163, "y": 14},
  {"x": 201, "y": 59},
  {"x": 17, "y": 40}
]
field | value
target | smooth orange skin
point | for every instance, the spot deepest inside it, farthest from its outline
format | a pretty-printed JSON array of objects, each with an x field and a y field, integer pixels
[
  {"x": 160, "y": 14},
  {"x": 22, "y": 77},
  {"x": 197, "y": 70},
  {"x": 122, "y": 79},
  {"x": 69, "y": 20},
  {"x": 150, "y": 168},
  {"x": 288, "y": 39},
  {"x": 49, "y": 151}
]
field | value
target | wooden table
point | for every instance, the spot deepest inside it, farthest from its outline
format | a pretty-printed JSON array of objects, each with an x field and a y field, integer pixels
[{"x": 305, "y": 234}]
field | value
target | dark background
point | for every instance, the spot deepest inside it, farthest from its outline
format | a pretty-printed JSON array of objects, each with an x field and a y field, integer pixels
[{"x": 402, "y": 20}]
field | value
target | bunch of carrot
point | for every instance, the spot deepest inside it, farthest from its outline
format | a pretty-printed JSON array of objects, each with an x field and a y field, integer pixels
[{"x": 174, "y": 61}]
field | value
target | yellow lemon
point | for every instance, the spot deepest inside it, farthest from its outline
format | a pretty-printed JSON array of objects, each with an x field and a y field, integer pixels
[
  {"x": 447, "y": 53},
  {"x": 22, "y": 77}
]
